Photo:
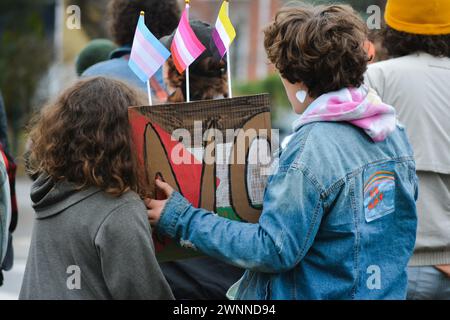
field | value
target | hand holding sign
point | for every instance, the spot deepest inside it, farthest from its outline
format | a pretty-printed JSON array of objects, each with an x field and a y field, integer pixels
[{"x": 155, "y": 207}]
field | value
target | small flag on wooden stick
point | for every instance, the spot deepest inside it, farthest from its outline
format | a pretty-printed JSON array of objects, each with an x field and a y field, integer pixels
[
  {"x": 223, "y": 36},
  {"x": 147, "y": 54},
  {"x": 186, "y": 47},
  {"x": 224, "y": 32}
]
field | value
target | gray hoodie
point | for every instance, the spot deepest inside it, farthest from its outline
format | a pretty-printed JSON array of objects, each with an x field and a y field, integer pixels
[{"x": 90, "y": 245}]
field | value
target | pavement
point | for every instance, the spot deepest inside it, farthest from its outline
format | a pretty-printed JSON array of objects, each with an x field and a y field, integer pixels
[{"x": 22, "y": 237}]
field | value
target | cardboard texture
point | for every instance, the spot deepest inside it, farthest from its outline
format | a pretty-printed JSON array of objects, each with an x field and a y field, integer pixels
[{"x": 206, "y": 150}]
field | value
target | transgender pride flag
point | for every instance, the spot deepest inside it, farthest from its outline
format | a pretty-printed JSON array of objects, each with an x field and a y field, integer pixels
[
  {"x": 147, "y": 53},
  {"x": 186, "y": 47}
]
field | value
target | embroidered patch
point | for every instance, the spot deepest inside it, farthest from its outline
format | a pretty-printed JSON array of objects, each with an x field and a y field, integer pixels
[{"x": 379, "y": 191}]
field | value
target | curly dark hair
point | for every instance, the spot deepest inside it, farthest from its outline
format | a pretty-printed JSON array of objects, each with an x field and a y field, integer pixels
[
  {"x": 321, "y": 46},
  {"x": 400, "y": 43},
  {"x": 161, "y": 17},
  {"x": 202, "y": 87},
  {"x": 84, "y": 137}
]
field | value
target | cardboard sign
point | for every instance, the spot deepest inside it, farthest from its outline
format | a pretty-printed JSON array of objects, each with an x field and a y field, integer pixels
[{"x": 210, "y": 152}]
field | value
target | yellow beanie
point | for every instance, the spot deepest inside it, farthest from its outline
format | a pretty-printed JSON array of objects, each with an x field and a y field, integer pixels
[{"x": 427, "y": 17}]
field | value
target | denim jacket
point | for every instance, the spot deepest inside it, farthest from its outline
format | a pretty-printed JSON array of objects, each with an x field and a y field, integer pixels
[{"x": 338, "y": 221}]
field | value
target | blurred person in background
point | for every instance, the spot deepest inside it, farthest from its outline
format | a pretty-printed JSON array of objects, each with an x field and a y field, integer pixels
[
  {"x": 98, "y": 50},
  {"x": 376, "y": 50},
  {"x": 208, "y": 74},
  {"x": 3, "y": 125},
  {"x": 416, "y": 81},
  {"x": 5, "y": 216},
  {"x": 203, "y": 278},
  {"x": 162, "y": 18},
  {"x": 8, "y": 200}
]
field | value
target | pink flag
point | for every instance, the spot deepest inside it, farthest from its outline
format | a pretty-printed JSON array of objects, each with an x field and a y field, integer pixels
[{"x": 186, "y": 47}]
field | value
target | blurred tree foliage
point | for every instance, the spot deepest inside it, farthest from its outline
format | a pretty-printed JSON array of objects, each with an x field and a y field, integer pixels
[
  {"x": 25, "y": 54},
  {"x": 272, "y": 84}
]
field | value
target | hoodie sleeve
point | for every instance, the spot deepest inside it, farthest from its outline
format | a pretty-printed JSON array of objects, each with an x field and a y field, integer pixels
[{"x": 127, "y": 255}]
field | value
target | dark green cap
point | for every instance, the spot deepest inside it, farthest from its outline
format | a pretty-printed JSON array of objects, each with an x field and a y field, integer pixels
[{"x": 96, "y": 51}]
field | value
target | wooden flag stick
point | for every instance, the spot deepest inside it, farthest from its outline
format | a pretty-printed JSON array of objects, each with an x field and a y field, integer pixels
[
  {"x": 149, "y": 91},
  {"x": 188, "y": 92},
  {"x": 230, "y": 90},
  {"x": 188, "y": 87}
]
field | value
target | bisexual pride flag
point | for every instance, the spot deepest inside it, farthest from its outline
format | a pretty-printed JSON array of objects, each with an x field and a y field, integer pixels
[
  {"x": 147, "y": 53},
  {"x": 186, "y": 47},
  {"x": 224, "y": 32}
]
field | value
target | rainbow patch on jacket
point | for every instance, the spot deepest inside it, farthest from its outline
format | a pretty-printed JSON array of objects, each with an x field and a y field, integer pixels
[{"x": 379, "y": 191}]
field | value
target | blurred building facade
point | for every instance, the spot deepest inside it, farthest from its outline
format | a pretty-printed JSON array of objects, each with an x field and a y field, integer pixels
[{"x": 248, "y": 57}]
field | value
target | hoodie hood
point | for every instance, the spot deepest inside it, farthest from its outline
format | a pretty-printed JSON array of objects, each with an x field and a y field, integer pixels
[
  {"x": 51, "y": 198},
  {"x": 361, "y": 107}
]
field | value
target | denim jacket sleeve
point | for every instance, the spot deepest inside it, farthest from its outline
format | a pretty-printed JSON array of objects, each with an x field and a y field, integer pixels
[{"x": 286, "y": 229}]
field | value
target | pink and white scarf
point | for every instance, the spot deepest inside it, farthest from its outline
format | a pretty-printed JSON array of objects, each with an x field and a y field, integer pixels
[{"x": 361, "y": 107}]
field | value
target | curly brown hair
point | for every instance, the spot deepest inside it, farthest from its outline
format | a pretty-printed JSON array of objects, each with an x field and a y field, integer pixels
[
  {"x": 321, "y": 46},
  {"x": 161, "y": 17},
  {"x": 209, "y": 81},
  {"x": 400, "y": 43},
  {"x": 84, "y": 137}
]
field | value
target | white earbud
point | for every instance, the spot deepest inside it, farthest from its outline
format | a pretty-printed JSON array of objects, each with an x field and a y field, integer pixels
[{"x": 301, "y": 95}]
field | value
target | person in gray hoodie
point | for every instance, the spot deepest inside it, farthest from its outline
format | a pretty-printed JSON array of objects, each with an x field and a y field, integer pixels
[{"x": 91, "y": 237}]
